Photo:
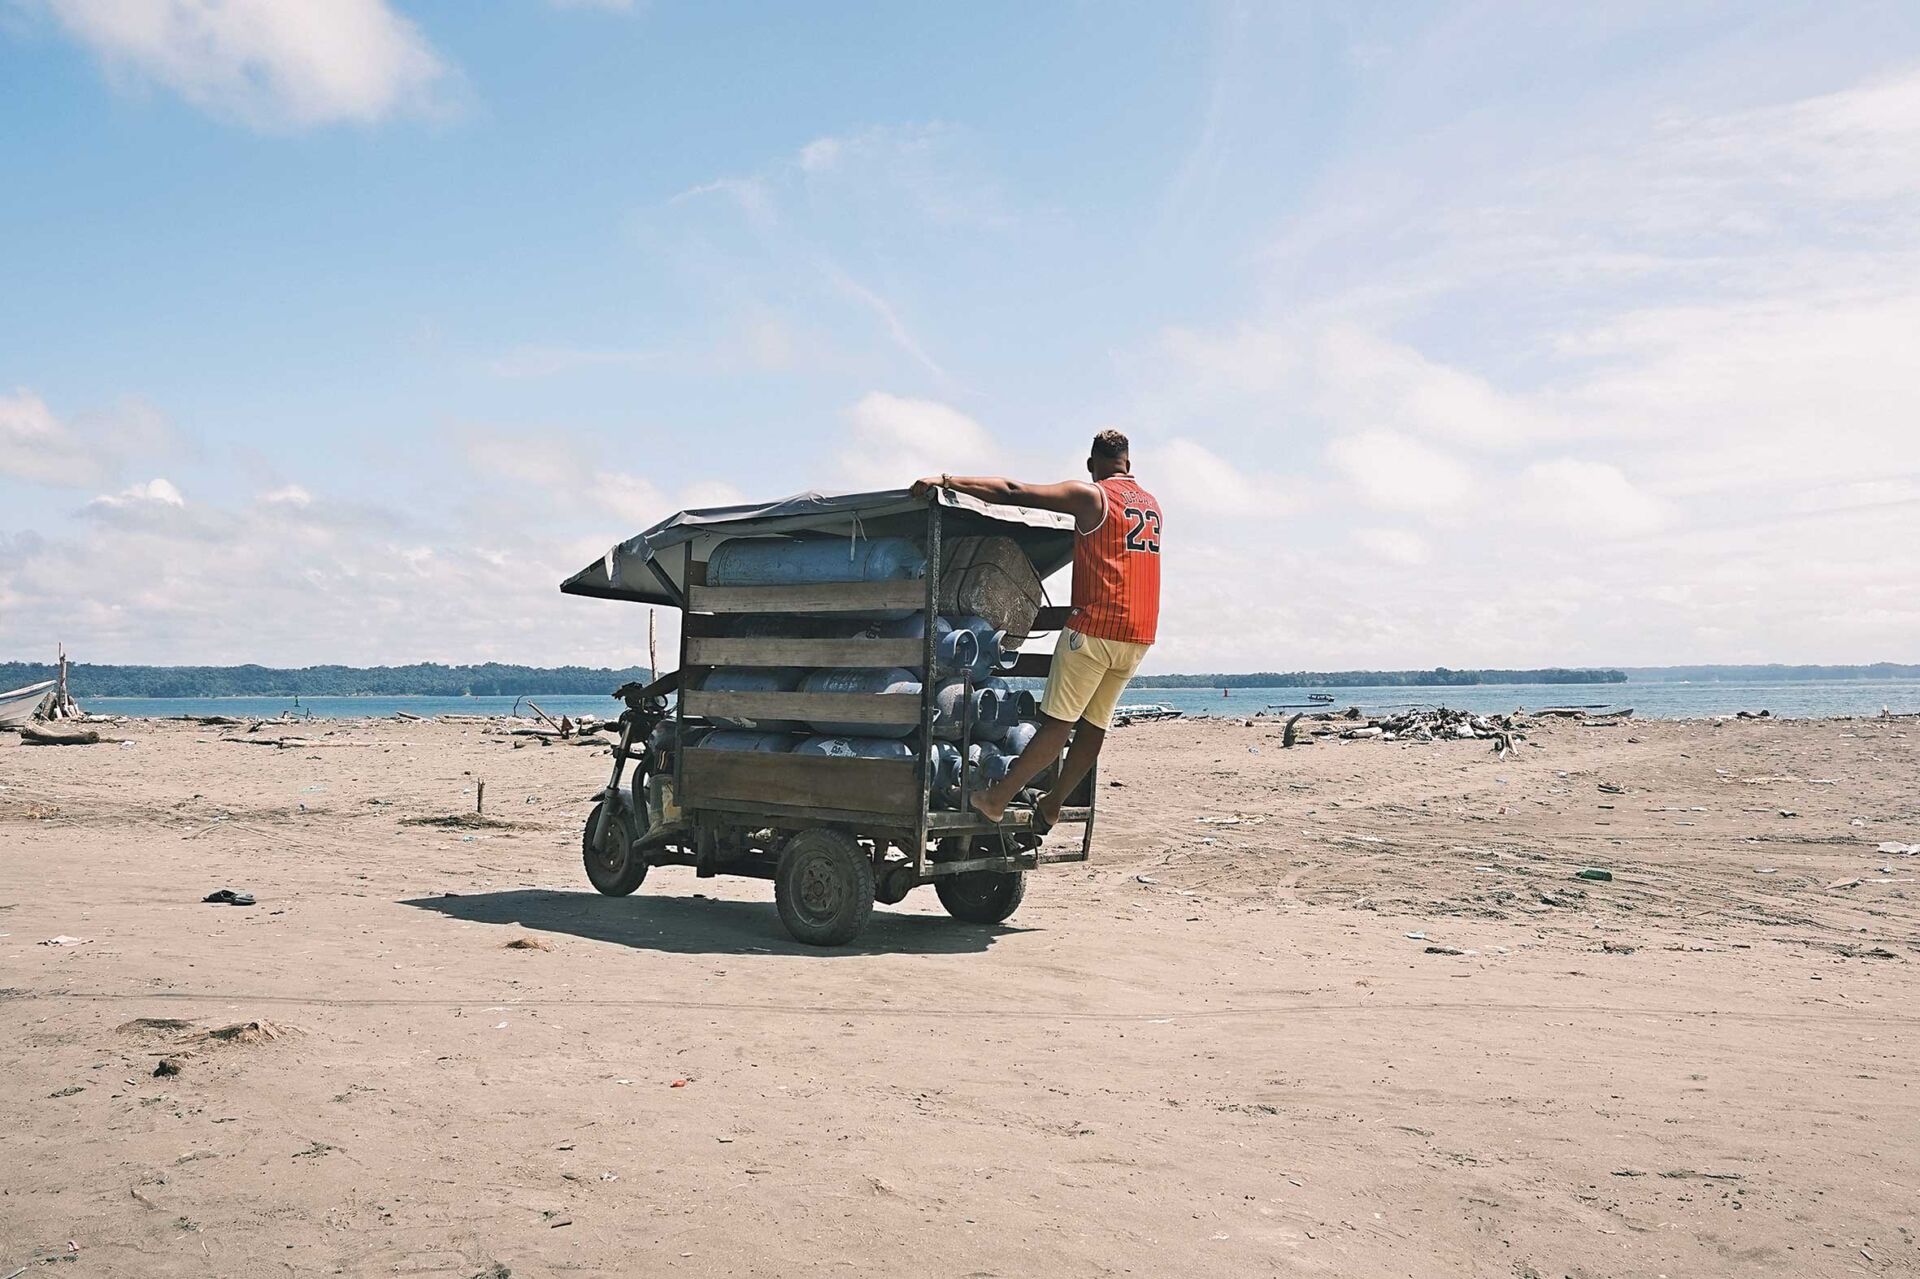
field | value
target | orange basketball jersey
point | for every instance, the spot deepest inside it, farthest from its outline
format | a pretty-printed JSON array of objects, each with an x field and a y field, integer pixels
[{"x": 1116, "y": 568}]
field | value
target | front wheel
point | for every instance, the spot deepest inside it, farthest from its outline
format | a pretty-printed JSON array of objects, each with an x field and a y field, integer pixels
[
  {"x": 982, "y": 896},
  {"x": 823, "y": 887},
  {"x": 613, "y": 869}
]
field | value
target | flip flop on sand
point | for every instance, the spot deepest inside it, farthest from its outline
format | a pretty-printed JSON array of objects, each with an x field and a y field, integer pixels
[{"x": 227, "y": 897}]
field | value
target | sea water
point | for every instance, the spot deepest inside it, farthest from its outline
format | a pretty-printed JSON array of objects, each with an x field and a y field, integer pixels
[{"x": 1795, "y": 699}]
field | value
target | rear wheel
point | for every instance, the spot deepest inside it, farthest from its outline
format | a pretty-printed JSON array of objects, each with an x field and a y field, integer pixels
[
  {"x": 613, "y": 868},
  {"x": 982, "y": 896},
  {"x": 823, "y": 887}
]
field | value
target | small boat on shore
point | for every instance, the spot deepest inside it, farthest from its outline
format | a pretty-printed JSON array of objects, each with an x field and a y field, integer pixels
[
  {"x": 1145, "y": 712},
  {"x": 22, "y": 704}
]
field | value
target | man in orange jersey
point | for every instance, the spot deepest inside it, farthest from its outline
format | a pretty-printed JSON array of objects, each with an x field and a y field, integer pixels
[{"x": 1116, "y": 611}]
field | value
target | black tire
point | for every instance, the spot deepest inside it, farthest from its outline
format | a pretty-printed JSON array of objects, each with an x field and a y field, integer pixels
[
  {"x": 823, "y": 887},
  {"x": 982, "y": 896},
  {"x": 616, "y": 871}
]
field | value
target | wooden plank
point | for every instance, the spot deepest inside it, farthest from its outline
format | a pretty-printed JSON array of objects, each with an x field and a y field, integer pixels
[
  {"x": 849, "y": 783},
  {"x": 823, "y": 597},
  {"x": 839, "y": 708},
  {"x": 804, "y": 652}
]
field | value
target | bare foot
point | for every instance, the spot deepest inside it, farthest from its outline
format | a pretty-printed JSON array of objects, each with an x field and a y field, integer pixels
[
  {"x": 987, "y": 806},
  {"x": 1047, "y": 812}
]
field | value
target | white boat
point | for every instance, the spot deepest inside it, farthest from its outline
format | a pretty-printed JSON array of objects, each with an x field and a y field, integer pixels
[
  {"x": 19, "y": 706},
  {"x": 1145, "y": 711}
]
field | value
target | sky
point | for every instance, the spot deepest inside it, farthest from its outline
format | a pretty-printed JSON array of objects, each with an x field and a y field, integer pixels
[{"x": 1465, "y": 334}]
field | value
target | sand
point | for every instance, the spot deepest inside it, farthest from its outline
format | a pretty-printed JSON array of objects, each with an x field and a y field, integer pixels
[{"x": 1218, "y": 1049}]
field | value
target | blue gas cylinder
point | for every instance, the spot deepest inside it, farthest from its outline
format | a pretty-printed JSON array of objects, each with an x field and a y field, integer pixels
[{"x": 1018, "y": 738}]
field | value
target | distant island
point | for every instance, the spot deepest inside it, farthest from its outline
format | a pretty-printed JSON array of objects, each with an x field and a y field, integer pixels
[
  {"x": 1769, "y": 673},
  {"x": 495, "y": 679},
  {"x": 423, "y": 679},
  {"x": 1438, "y": 677}
]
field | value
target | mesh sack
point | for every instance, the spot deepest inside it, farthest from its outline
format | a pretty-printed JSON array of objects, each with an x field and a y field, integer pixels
[{"x": 991, "y": 577}]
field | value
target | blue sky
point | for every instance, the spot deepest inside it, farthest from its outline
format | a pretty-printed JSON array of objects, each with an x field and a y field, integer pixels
[{"x": 1448, "y": 333}]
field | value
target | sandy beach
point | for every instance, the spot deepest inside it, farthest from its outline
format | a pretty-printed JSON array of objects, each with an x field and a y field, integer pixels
[{"x": 1343, "y": 1009}]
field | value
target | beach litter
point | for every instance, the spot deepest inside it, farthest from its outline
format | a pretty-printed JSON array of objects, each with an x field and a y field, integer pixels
[
  {"x": 64, "y": 940},
  {"x": 1595, "y": 873},
  {"x": 228, "y": 897}
]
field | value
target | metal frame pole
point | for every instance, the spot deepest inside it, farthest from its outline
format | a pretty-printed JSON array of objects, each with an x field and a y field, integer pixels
[{"x": 928, "y": 637}]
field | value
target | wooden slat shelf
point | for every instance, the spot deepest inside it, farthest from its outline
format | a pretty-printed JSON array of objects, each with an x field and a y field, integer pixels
[
  {"x": 837, "y": 708},
  {"x": 826, "y": 782},
  {"x": 825, "y": 597},
  {"x": 804, "y": 652}
]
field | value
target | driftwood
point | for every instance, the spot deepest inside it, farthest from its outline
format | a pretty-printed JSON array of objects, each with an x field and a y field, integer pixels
[
  {"x": 1291, "y": 737},
  {"x": 304, "y": 743},
  {"x": 53, "y": 735}
]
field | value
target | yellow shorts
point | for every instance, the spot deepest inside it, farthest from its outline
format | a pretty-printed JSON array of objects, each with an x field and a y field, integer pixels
[{"x": 1088, "y": 676}]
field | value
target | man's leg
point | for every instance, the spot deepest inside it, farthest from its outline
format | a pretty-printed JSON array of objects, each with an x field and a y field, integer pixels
[
  {"x": 1091, "y": 733},
  {"x": 1045, "y": 747},
  {"x": 1087, "y": 741}
]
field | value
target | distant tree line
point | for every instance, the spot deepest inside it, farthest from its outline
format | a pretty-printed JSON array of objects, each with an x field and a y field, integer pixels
[
  {"x": 423, "y": 679},
  {"x": 1740, "y": 674},
  {"x": 1439, "y": 676}
]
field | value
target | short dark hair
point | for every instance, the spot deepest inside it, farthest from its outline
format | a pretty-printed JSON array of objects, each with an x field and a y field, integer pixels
[{"x": 1110, "y": 444}]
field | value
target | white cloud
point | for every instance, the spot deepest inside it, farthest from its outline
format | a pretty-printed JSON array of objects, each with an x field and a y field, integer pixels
[
  {"x": 37, "y": 446},
  {"x": 1586, "y": 498},
  {"x": 1398, "y": 473},
  {"x": 289, "y": 495},
  {"x": 1250, "y": 358},
  {"x": 1190, "y": 475},
  {"x": 555, "y": 467},
  {"x": 267, "y": 63},
  {"x": 155, "y": 492},
  {"x": 1371, "y": 381},
  {"x": 1394, "y": 545},
  {"x": 896, "y": 440}
]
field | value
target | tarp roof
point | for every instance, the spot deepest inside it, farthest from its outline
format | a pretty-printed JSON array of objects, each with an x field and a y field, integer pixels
[{"x": 650, "y": 567}]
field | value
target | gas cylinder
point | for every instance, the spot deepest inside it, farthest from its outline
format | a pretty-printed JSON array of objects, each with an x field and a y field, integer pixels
[
  {"x": 787, "y": 561},
  {"x": 1019, "y": 737},
  {"x": 735, "y": 739},
  {"x": 949, "y": 710},
  {"x": 843, "y": 746},
  {"x": 988, "y": 640},
  {"x": 848, "y": 679},
  {"x": 753, "y": 679},
  {"x": 956, "y": 650}
]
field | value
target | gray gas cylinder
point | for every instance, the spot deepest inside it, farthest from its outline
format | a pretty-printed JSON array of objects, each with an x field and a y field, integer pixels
[
  {"x": 753, "y": 679},
  {"x": 956, "y": 649},
  {"x": 735, "y": 739},
  {"x": 949, "y": 710},
  {"x": 842, "y": 746},
  {"x": 787, "y": 561},
  {"x": 848, "y": 679}
]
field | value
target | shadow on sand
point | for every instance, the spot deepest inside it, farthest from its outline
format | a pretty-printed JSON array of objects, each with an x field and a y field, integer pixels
[{"x": 703, "y": 926}]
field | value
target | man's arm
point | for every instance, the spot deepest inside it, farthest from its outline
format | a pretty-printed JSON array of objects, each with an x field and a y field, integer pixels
[{"x": 1077, "y": 498}]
